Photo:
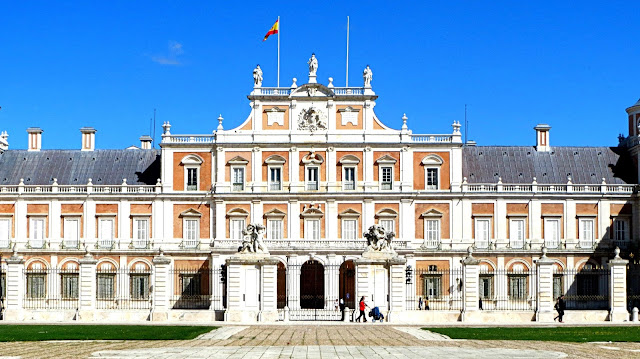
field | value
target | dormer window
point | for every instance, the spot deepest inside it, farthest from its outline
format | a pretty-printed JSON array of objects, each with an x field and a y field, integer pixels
[
  {"x": 192, "y": 164},
  {"x": 432, "y": 164},
  {"x": 275, "y": 164},
  {"x": 312, "y": 163},
  {"x": 238, "y": 166},
  {"x": 386, "y": 164},
  {"x": 349, "y": 166}
]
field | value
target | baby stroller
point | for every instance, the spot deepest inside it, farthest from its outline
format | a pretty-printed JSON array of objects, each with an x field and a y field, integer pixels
[{"x": 376, "y": 315}]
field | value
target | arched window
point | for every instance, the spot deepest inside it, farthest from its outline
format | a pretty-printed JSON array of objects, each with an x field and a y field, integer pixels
[
  {"x": 432, "y": 164},
  {"x": 191, "y": 165}
]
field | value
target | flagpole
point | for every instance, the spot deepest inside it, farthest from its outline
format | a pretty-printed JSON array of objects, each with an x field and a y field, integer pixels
[
  {"x": 347, "y": 52},
  {"x": 278, "y": 51}
]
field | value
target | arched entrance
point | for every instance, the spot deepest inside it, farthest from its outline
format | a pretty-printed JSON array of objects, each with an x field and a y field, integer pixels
[
  {"x": 282, "y": 286},
  {"x": 348, "y": 283},
  {"x": 312, "y": 285}
]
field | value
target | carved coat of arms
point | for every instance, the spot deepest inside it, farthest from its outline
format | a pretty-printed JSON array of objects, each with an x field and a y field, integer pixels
[{"x": 312, "y": 119}]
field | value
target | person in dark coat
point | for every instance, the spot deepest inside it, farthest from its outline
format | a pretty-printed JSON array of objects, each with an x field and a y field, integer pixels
[{"x": 560, "y": 307}]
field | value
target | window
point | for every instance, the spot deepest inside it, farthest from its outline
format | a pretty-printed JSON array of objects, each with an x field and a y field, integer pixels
[
  {"x": 483, "y": 226},
  {"x": 36, "y": 285},
  {"x": 551, "y": 232},
  {"x": 389, "y": 225},
  {"x": 274, "y": 229},
  {"x": 432, "y": 178},
  {"x": 191, "y": 229},
  {"x": 238, "y": 178},
  {"x": 140, "y": 232},
  {"x": 432, "y": 286},
  {"x": 517, "y": 287},
  {"x": 37, "y": 232},
  {"x": 432, "y": 233},
  {"x": 349, "y": 178},
  {"x": 5, "y": 232},
  {"x": 586, "y": 227},
  {"x": 312, "y": 229},
  {"x": 312, "y": 178},
  {"x": 486, "y": 286},
  {"x": 71, "y": 232},
  {"x": 236, "y": 228},
  {"x": 516, "y": 233},
  {"x": 349, "y": 229},
  {"x": 69, "y": 285},
  {"x": 192, "y": 178},
  {"x": 105, "y": 232},
  {"x": 621, "y": 229},
  {"x": 140, "y": 286},
  {"x": 191, "y": 284},
  {"x": 275, "y": 178},
  {"x": 106, "y": 285},
  {"x": 387, "y": 178}
]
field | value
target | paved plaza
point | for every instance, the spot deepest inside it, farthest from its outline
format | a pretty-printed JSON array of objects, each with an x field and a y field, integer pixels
[{"x": 317, "y": 341}]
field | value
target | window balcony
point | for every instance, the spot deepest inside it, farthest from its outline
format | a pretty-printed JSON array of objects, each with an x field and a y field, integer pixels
[
  {"x": 275, "y": 186},
  {"x": 312, "y": 186},
  {"x": 386, "y": 186}
]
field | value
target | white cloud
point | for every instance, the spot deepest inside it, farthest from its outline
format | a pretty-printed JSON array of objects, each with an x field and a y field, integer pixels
[{"x": 171, "y": 59}]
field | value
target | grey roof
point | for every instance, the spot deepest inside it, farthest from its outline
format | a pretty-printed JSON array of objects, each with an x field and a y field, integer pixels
[
  {"x": 585, "y": 165},
  {"x": 75, "y": 167}
]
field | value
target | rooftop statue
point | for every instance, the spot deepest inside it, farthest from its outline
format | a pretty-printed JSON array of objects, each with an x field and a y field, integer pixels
[
  {"x": 313, "y": 65},
  {"x": 253, "y": 239},
  {"x": 257, "y": 76},
  {"x": 368, "y": 76},
  {"x": 379, "y": 239}
]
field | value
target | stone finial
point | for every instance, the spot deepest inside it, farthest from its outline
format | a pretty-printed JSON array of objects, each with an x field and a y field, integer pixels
[
  {"x": 535, "y": 181},
  {"x": 124, "y": 181},
  {"x": 464, "y": 180},
  {"x": 499, "y": 180},
  {"x": 14, "y": 250},
  {"x": 569, "y": 180},
  {"x": 294, "y": 83},
  {"x": 404, "y": 121},
  {"x": 161, "y": 252},
  {"x": 604, "y": 181},
  {"x": 55, "y": 182},
  {"x": 21, "y": 182},
  {"x": 89, "y": 182},
  {"x": 330, "y": 85},
  {"x": 220, "y": 118},
  {"x": 544, "y": 251},
  {"x": 617, "y": 253},
  {"x": 166, "y": 126},
  {"x": 470, "y": 252},
  {"x": 456, "y": 127}
]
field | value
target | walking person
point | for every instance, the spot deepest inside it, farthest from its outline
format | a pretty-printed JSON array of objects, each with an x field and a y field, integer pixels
[
  {"x": 426, "y": 304},
  {"x": 363, "y": 306},
  {"x": 420, "y": 303},
  {"x": 560, "y": 307},
  {"x": 342, "y": 308}
]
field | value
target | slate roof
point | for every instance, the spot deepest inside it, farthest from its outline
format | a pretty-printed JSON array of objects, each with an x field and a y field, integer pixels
[
  {"x": 585, "y": 165},
  {"x": 75, "y": 167}
]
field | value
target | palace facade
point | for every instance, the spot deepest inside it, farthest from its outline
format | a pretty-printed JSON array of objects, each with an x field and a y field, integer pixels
[{"x": 480, "y": 232}]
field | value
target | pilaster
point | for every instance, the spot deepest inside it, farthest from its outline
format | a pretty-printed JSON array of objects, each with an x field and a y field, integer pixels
[
  {"x": 162, "y": 287},
  {"x": 220, "y": 219},
  {"x": 15, "y": 283}
]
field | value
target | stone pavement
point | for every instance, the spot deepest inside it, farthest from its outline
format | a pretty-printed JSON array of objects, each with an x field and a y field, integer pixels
[{"x": 316, "y": 341}]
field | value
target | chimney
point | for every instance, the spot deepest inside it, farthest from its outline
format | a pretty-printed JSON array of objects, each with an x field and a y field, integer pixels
[
  {"x": 542, "y": 138},
  {"x": 145, "y": 142},
  {"x": 88, "y": 138},
  {"x": 35, "y": 138}
]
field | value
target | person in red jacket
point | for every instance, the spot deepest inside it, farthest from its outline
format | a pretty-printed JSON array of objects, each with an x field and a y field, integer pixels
[{"x": 362, "y": 307}]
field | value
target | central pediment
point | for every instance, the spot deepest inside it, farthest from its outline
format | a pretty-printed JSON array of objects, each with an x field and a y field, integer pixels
[{"x": 312, "y": 91}]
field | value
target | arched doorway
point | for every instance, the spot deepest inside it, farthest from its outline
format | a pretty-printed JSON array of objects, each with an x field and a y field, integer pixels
[
  {"x": 282, "y": 286},
  {"x": 312, "y": 285},
  {"x": 348, "y": 283}
]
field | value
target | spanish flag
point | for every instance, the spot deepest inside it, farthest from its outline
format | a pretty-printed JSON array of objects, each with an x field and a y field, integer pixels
[{"x": 274, "y": 30}]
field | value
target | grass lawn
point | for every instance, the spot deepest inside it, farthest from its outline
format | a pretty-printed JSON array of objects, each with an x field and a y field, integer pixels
[
  {"x": 559, "y": 334},
  {"x": 11, "y": 333}
]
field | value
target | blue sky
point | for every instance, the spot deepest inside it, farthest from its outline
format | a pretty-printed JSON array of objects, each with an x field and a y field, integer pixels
[{"x": 573, "y": 65}]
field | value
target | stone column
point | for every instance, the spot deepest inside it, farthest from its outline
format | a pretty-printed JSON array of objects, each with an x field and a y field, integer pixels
[
  {"x": 161, "y": 288},
  {"x": 87, "y": 287},
  {"x": 618, "y": 288},
  {"x": 470, "y": 287},
  {"x": 397, "y": 286},
  {"x": 544, "y": 282},
  {"x": 15, "y": 283},
  {"x": 269, "y": 290}
]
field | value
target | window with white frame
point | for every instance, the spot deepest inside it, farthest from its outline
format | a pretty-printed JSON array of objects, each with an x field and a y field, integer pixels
[
  {"x": 191, "y": 165},
  {"x": 275, "y": 164},
  {"x": 348, "y": 178},
  {"x": 349, "y": 228},
  {"x": 432, "y": 232},
  {"x": 586, "y": 235},
  {"x": 552, "y": 232},
  {"x": 387, "y": 219},
  {"x": 36, "y": 285},
  {"x": 274, "y": 228},
  {"x": 37, "y": 226},
  {"x": 140, "y": 232},
  {"x": 69, "y": 285},
  {"x": 385, "y": 174},
  {"x": 5, "y": 232},
  {"x": 237, "y": 178},
  {"x": 106, "y": 232},
  {"x": 237, "y": 225},
  {"x": 311, "y": 178},
  {"x": 516, "y": 232},
  {"x": 192, "y": 178},
  {"x": 106, "y": 285},
  {"x": 432, "y": 164},
  {"x": 71, "y": 229},
  {"x": 312, "y": 229},
  {"x": 621, "y": 229},
  {"x": 482, "y": 232},
  {"x": 190, "y": 228}
]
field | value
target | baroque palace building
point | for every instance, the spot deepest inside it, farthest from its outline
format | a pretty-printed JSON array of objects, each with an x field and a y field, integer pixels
[{"x": 265, "y": 222}]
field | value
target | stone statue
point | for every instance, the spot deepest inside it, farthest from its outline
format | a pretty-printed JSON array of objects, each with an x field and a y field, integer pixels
[
  {"x": 313, "y": 65},
  {"x": 379, "y": 239},
  {"x": 368, "y": 76},
  {"x": 253, "y": 239},
  {"x": 257, "y": 76}
]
